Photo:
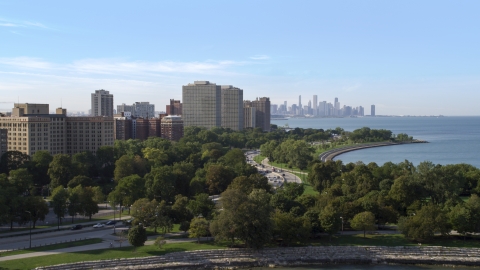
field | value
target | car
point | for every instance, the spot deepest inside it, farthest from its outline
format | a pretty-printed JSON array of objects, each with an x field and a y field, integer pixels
[
  {"x": 111, "y": 222},
  {"x": 76, "y": 227},
  {"x": 99, "y": 225}
]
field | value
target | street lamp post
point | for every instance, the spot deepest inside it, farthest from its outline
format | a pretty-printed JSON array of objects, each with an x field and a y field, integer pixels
[
  {"x": 342, "y": 223},
  {"x": 30, "y": 213}
]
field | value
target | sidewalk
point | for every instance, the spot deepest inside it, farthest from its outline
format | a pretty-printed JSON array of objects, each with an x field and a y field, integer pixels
[{"x": 104, "y": 245}]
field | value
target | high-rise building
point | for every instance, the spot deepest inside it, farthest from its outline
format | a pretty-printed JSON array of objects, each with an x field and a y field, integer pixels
[
  {"x": 138, "y": 109},
  {"x": 172, "y": 127},
  {"x": 262, "y": 113},
  {"x": 372, "y": 110},
  {"x": 315, "y": 105},
  {"x": 232, "y": 107},
  {"x": 336, "y": 107},
  {"x": 175, "y": 107},
  {"x": 249, "y": 116},
  {"x": 122, "y": 127},
  {"x": 201, "y": 104},
  {"x": 102, "y": 103},
  {"x": 300, "y": 101},
  {"x": 56, "y": 133},
  {"x": 361, "y": 111}
]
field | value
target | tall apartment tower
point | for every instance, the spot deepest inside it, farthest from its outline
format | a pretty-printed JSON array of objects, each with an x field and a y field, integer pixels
[
  {"x": 175, "y": 107},
  {"x": 102, "y": 103},
  {"x": 249, "y": 116},
  {"x": 232, "y": 107},
  {"x": 201, "y": 104},
  {"x": 262, "y": 113},
  {"x": 315, "y": 105},
  {"x": 372, "y": 110}
]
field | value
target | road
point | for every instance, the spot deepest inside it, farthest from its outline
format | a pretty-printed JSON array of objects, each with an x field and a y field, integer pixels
[
  {"x": 273, "y": 173},
  {"x": 48, "y": 238}
]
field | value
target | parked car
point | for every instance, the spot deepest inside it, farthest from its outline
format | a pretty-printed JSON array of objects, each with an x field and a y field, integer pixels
[
  {"x": 111, "y": 222},
  {"x": 99, "y": 225},
  {"x": 76, "y": 227}
]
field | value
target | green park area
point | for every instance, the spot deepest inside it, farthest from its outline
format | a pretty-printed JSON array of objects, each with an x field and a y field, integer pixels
[{"x": 168, "y": 187}]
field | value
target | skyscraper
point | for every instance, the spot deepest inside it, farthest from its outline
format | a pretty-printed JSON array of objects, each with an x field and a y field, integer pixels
[
  {"x": 315, "y": 105},
  {"x": 201, "y": 104},
  {"x": 372, "y": 110},
  {"x": 300, "y": 101},
  {"x": 262, "y": 113},
  {"x": 102, "y": 103},
  {"x": 336, "y": 107},
  {"x": 232, "y": 107}
]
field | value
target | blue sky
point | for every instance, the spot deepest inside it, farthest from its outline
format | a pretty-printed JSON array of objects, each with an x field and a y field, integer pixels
[{"x": 406, "y": 57}]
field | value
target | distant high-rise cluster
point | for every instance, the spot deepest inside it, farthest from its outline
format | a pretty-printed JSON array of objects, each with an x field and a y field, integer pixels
[
  {"x": 318, "y": 109},
  {"x": 31, "y": 127}
]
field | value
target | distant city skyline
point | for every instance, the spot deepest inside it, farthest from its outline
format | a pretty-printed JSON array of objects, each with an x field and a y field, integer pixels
[{"x": 407, "y": 58}]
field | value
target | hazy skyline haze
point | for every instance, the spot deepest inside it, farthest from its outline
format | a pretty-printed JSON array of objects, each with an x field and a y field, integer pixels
[{"x": 406, "y": 57}]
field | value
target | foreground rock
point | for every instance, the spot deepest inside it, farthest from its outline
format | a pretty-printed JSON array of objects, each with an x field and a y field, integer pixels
[{"x": 239, "y": 258}]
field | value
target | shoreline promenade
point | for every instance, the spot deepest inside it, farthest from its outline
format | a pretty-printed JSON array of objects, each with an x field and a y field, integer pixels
[{"x": 331, "y": 154}]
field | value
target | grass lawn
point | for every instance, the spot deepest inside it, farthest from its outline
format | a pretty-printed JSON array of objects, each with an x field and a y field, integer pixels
[
  {"x": 106, "y": 254},
  {"x": 394, "y": 240},
  {"x": 53, "y": 247}
]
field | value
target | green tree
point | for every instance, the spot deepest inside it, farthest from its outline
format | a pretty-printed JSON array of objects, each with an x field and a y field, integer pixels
[
  {"x": 180, "y": 210},
  {"x": 137, "y": 236},
  {"x": 105, "y": 161},
  {"x": 198, "y": 228},
  {"x": 459, "y": 218},
  {"x": 290, "y": 228},
  {"x": 81, "y": 180},
  {"x": 363, "y": 221},
  {"x": 12, "y": 160},
  {"x": 218, "y": 178},
  {"x": 59, "y": 203},
  {"x": 41, "y": 160},
  {"x": 89, "y": 206},
  {"x": 160, "y": 182},
  {"x": 123, "y": 167},
  {"x": 330, "y": 221},
  {"x": 74, "y": 204},
  {"x": 38, "y": 208},
  {"x": 201, "y": 205},
  {"x": 60, "y": 170},
  {"x": 423, "y": 224},
  {"x": 132, "y": 188},
  {"x": 83, "y": 163}
]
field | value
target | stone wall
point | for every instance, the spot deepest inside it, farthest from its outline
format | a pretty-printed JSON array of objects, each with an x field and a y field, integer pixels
[{"x": 239, "y": 258}]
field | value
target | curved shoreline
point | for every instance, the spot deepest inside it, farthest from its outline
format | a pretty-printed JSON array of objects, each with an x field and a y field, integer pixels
[
  {"x": 331, "y": 154},
  {"x": 289, "y": 256}
]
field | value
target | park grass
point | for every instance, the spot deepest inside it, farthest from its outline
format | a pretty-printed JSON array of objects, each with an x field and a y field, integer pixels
[
  {"x": 175, "y": 229},
  {"x": 108, "y": 254},
  {"x": 53, "y": 247},
  {"x": 393, "y": 240}
]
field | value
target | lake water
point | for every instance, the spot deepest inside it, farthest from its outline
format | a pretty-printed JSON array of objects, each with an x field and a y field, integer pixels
[{"x": 451, "y": 140}]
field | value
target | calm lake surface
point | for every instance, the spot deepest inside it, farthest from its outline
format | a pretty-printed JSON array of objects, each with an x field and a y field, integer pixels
[{"x": 451, "y": 140}]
